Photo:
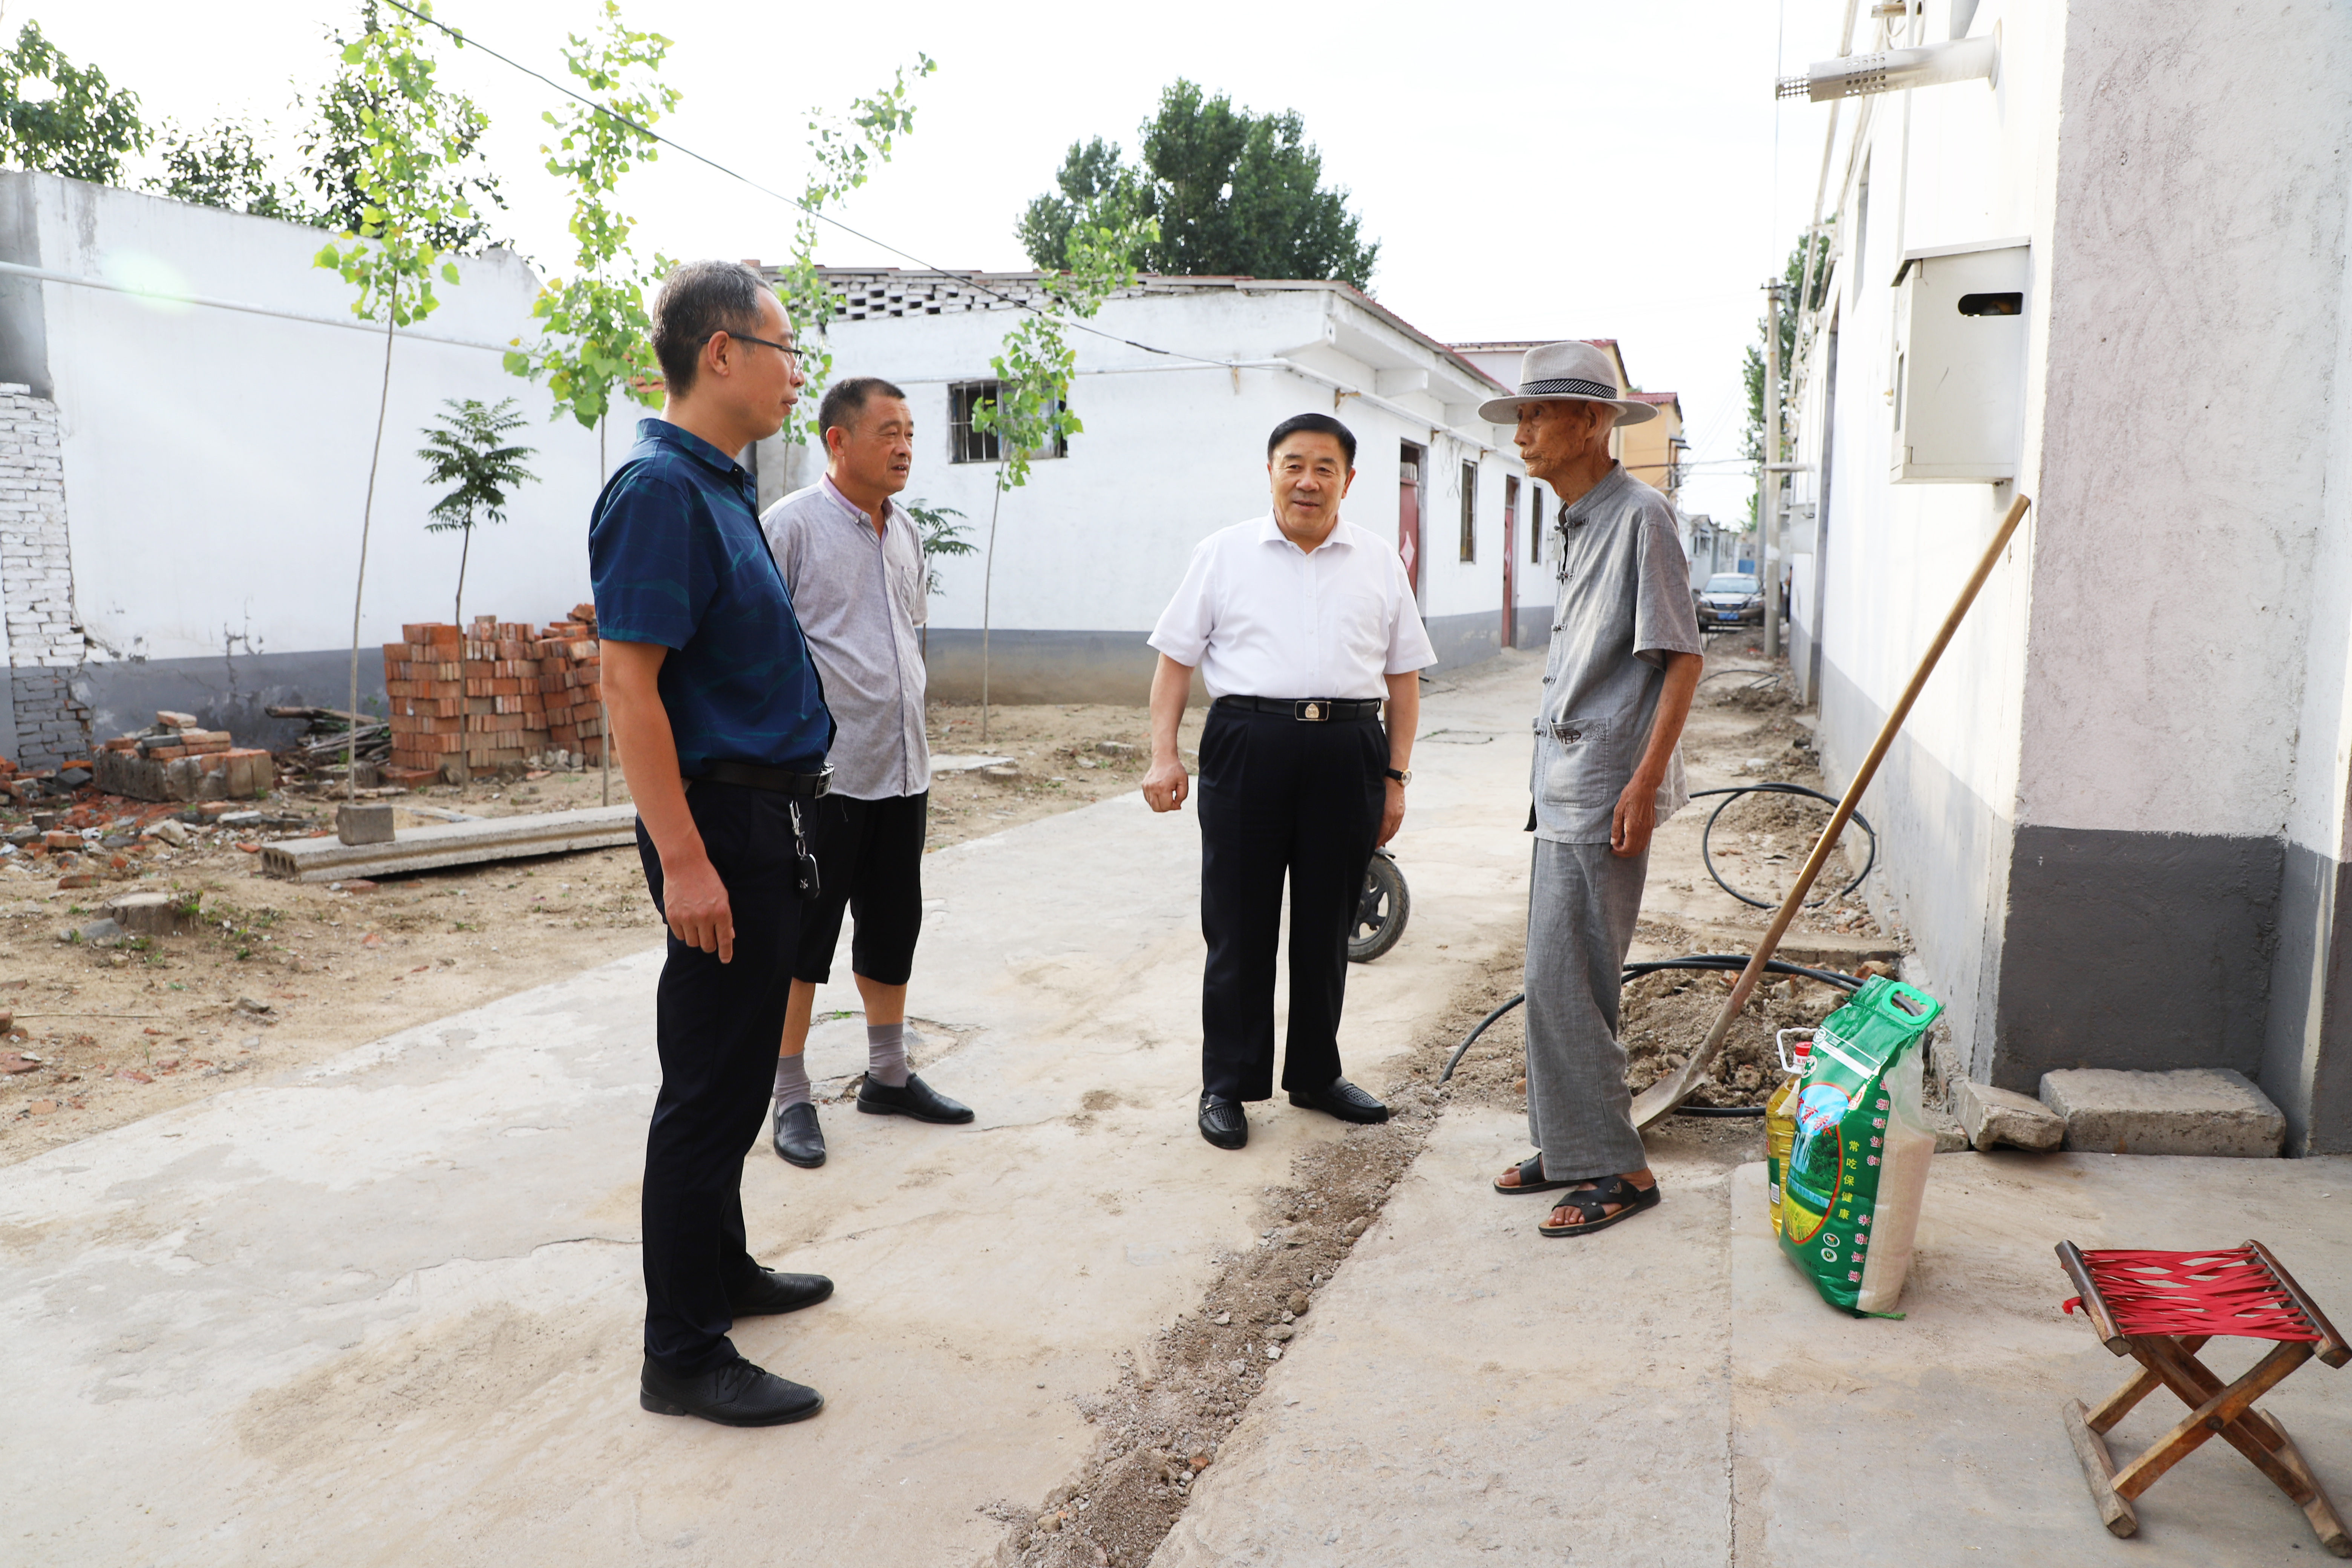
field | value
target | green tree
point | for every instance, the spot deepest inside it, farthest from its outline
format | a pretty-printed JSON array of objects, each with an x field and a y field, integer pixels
[
  {"x": 412, "y": 178},
  {"x": 343, "y": 161},
  {"x": 1232, "y": 193},
  {"x": 1031, "y": 413},
  {"x": 63, "y": 117},
  {"x": 844, "y": 150},
  {"x": 223, "y": 166},
  {"x": 1752, "y": 369},
  {"x": 595, "y": 334},
  {"x": 467, "y": 447},
  {"x": 938, "y": 537}
]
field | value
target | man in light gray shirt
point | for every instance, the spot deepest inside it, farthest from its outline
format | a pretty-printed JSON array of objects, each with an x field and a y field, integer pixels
[
  {"x": 854, "y": 568},
  {"x": 1625, "y": 660}
]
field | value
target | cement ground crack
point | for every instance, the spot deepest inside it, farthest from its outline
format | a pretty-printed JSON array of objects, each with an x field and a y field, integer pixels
[{"x": 1170, "y": 1411}]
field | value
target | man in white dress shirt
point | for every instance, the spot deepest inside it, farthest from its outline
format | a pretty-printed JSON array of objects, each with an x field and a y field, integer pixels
[{"x": 1300, "y": 624}]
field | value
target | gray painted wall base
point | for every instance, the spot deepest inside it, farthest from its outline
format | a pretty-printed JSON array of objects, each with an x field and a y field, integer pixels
[
  {"x": 2307, "y": 1051},
  {"x": 229, "y": 692},
  {"x": 2142, "y": 950}
]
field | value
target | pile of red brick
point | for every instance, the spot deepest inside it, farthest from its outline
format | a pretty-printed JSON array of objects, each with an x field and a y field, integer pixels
[
  {"x": 178, "y": 759},
  {"x": 496, "y": 693}
]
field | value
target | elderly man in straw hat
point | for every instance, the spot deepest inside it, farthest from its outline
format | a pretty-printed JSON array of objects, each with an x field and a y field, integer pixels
[{"x": 1624, "y": 659}]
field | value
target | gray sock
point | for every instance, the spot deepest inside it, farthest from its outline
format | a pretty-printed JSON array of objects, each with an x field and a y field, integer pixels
[
  {"x": 886, "y": 1054},
  {"x": 792, "y": 1080}
]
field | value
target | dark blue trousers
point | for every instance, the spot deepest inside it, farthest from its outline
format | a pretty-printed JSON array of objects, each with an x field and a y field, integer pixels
[
  {"x": 1281, "y": 800},
  {"x": 717, "y": 1025}
]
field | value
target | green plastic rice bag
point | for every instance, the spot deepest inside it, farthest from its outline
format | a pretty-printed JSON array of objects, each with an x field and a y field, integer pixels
[{"x": 1858, "y": 1166}]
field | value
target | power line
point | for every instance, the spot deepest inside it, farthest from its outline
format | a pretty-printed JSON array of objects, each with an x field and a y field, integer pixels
[{"x": 651, "y": 134}]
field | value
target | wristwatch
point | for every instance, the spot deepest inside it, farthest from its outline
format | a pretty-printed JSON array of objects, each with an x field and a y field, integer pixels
[{"x": 1401, "y": 776}]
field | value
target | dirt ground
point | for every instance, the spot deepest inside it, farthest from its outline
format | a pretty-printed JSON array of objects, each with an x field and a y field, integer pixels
[{"x": 279, "y": 974}]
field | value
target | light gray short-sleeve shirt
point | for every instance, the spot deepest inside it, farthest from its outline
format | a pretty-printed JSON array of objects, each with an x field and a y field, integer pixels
[
  {"x": 1624, "y": 601},
  {"x": 859, "y": 597}
]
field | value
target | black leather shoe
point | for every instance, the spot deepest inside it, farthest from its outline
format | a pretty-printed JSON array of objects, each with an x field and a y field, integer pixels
[
  {"x": 774, "y": 1292},
  {"x": 799, "y": 1140},
  {"x": 735, "y": 1394},
  {"x": 1344, "y": 1100},
  {"x": 1222, "y": 1121},
  {"x": 917, "y": 1098}
]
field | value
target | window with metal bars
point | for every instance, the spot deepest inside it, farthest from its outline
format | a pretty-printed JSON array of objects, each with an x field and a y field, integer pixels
[
  {"x": 969, "y": 445},
  {"x": 1469, "y": 511}
]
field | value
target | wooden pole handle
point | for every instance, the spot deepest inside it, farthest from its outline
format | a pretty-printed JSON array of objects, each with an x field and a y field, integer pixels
[{"x": 1665, "y": 1094}]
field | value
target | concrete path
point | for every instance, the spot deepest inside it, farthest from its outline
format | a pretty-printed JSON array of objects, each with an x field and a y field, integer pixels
[
  {"x": 386, "y": 1310},
  {"x": 1673, "y": 1393}
]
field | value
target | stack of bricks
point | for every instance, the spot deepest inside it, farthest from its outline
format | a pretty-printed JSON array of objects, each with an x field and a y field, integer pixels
[
  {"x": 178, "y": 759},
  {"x": 491, "y": 694},
  {"x": 571, "y": 684}
]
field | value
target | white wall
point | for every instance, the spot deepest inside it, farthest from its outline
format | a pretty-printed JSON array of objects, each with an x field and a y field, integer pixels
[
  {"x": 216, "y": 461},
  {"x": 1096, "y": 540},
  {"x": 1974, "y": 167}
]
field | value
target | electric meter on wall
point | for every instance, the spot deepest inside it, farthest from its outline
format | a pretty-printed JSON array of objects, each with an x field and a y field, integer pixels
[{"x": 1959, "y": 362}]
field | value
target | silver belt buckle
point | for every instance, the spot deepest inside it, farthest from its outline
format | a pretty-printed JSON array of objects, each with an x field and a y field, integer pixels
[{"x": 1312, "y": 713}]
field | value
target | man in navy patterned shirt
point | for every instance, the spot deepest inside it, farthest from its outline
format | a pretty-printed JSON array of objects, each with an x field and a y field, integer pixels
[{"x": 720, "y": 724}]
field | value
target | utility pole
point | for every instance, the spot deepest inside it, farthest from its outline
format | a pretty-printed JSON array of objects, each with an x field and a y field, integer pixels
[{"x": 1769, "y": 511}]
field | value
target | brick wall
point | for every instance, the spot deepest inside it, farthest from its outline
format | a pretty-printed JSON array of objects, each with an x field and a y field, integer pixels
[{"x": 46, "y": 645}]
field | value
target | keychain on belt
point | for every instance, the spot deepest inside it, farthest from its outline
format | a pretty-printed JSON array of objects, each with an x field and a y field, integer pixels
[{"x": 805, "y": 870}]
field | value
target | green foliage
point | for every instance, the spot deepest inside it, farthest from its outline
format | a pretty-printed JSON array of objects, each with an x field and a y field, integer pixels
[
  {"x": 412, "y": 144},
  {"x": 62, "y": 118},
  {"x": 467, "y": 447},
  {"x": 1031, "y": 412},
  {"x": 384, "y": 84},
  {"x": 596, "y": 334},
  {"x": 1752, "y": 369},
  {"x": 221, "y": 166},
  {"x": 939, "y": 537},
  {"x": 846, "y": 150},
  {"x": 1232, "y": 192}
]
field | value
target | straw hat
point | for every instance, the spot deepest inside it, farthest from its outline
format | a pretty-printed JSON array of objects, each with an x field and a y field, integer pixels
[{"x": 1565, "y": 372}]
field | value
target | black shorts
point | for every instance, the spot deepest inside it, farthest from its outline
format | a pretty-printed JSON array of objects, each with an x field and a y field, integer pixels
[{"x": 870, "y": 854}]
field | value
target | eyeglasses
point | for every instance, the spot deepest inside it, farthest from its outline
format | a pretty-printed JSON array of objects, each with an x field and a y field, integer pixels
[{"x": 786, "y": 349}]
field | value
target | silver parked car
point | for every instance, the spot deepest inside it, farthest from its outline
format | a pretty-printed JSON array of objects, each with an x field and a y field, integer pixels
[{"x": 1731, "y": 598}]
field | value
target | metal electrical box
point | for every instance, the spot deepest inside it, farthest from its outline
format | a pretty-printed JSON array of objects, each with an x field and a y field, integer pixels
[{"x": 1959, "y": 362}]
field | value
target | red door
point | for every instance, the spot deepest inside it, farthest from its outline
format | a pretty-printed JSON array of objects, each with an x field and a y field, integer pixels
[
  {"x": 1510, "y": 561},
  {"x": 1408, "y": 514}
]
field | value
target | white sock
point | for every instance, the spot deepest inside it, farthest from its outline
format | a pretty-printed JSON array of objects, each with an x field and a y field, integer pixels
[
  {"x": 886, "y": 1054},
  {"x": 792, "y": 1079}
]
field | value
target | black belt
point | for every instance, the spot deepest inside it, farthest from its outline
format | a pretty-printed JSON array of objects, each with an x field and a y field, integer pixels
[
  {"x": 776, "y": 781},
  {"x": 1308, "y": 710}
]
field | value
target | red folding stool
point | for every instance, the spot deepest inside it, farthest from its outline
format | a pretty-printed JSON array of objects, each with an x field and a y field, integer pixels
[{"x": 2160, "y": 1309}]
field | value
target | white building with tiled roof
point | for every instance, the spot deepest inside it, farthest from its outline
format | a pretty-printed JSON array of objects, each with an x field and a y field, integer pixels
[{"x": 1178, "y": 385}]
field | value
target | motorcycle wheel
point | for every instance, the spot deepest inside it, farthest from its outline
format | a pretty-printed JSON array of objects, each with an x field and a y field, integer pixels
[{"x": 1381, "y": 913}]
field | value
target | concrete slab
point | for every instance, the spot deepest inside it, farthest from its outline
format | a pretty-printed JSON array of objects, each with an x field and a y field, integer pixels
[
  {"x": 1467, "y": 1392},
  {"x": 1937, "y": 1441},
  {"x": 463, "y": 843},
  {"x": 2194, "y": 1111},
  {"x": 1992, "y": 1117},
  {"x": 386, "y": 1310}
]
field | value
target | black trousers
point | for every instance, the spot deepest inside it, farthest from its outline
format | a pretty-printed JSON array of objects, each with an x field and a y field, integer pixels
[
  {"x": 870, "y": 854},
  {"x": 1281, "y": 799},
  {"x": 718, "y": 1024}
]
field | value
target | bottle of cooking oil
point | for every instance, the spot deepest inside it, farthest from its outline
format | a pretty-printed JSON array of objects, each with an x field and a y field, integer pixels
[{"x": 1780, "y": 1121}]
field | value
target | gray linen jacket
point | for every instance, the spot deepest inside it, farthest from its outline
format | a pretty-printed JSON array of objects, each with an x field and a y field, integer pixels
[
  {"x": 1624, "y": 602},
  {"x": 859, "y": 599}
]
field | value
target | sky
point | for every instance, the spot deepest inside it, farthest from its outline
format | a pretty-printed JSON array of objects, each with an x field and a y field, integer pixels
[{"x": 1535, "y": 171}]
